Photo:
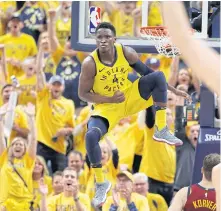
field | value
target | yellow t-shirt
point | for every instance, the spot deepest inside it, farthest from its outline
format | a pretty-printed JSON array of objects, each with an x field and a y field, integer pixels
[
  {"x": 139, "y": 200},
  {"x": 156, "y": 200},
  {"x": 63, "y": 30},
  {"x": 21, "y": 120},
  {"x": 36, "y": 193},
  {"x": 49, "y": 65},
  {"x": 60, "y": 202},
  {"x": 159, "y": 160},
  {"x": 83, "y": 179},
  {"x": 109, "y": 79},
  {"x": 18, "y": 48},
  {"x": 122, "y": 22},
  {"x": 4, "y": 7},
  {"x": 26, "y": 86},
  {"x": 53, "y": 114},
  {"x": 13, "y": 189},
  {"x": 135, "y": 135},
  {"x": 79, "y": 140}
]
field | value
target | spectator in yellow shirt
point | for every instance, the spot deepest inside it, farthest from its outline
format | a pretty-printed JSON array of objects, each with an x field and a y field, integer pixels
[
  {"x": 55, "y": 117},
  {"x": 68, "y": 65},
  {"x": 120, "y": 14},
  {"x": 18, "y": 47},
  {"x": 63, "y": 22},
  {"x": 6, "y": 10},
  {"x": 69, "y": 199},
  {"x": 40, "y": 171},
  {"x": 20, "y": 126},
  {"x": 123, "y": 197},
  {"x": 76, "y": 161},
  {"x": 156, "y": 202},
  {"x": 16, "y": 167},
  {"x": 27, "y": 88},
  {"x": 57, "y": 183}
]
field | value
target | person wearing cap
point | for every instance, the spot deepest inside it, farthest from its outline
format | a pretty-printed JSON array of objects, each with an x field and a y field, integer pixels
[
  {"x": 156, "y": 201},
  {"x": 18, "y": 47},
  {"x": 66, "y": 59},
  {"x": 55, "y": 117},
  {"x": 123, "y": 197}
]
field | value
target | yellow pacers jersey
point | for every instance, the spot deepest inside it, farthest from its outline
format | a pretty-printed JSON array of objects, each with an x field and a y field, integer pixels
[
  {"x": 14, "y": 188},
  {"x": 156, "y": 202},
  {"x": 140, "y": 202},
  {"x": 63, "y": 30},
  {"x": 109, "y": 79},
  {"x": 159, "y": 160},
  {"x": 83, "y": 176},
  {"x": 36, "y": 193},
  {"x": 26, "y": 86},
  {"x": 52, "y": 115},
  {"x": 20, "y": 120},
  {"x": 61, "y": 202}
]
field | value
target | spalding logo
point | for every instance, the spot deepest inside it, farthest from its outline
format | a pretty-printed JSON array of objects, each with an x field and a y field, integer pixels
[{"x": 216, "y": 137}]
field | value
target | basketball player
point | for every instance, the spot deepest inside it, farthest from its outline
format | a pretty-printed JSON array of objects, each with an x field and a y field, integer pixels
[
  {"x": 200, "y": 196},
  {"x": 193, "y": 51},
  {"x": 216, "y": 183},
  {"x": 103, "y": 81}
]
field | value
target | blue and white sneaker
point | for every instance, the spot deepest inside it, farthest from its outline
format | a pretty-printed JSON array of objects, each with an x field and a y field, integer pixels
[
  {"x": 101, "y": 190},
  {"x": 166, "y": 136}
]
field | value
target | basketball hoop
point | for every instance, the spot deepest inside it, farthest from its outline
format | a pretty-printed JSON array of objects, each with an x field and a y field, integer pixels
[{"x": 160, "y": 36}]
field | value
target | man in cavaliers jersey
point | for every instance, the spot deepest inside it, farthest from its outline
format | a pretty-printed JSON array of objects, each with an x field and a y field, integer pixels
[
  {"x": 200, "y": 196},
  {"x": 216, "y": 183},
  {"x": 104, "y": 82}
]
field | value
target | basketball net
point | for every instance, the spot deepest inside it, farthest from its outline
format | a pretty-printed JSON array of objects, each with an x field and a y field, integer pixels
[{"x": 161, "y": 39}]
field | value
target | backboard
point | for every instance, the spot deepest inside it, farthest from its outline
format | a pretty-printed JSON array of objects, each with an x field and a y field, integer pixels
[{"x": 82, "y": 40}]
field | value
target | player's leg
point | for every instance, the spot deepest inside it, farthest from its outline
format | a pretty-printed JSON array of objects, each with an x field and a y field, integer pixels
[
  {"x": 155, "y": 84},
  {"x": 97, "y": 127}
]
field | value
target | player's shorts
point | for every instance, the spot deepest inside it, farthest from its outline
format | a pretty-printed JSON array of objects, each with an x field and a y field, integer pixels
[{"x": 133, "y": 104}]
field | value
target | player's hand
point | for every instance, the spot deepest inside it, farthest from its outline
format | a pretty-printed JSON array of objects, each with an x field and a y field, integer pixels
[
  {"x": 52, "y": 14},
  {"x": 118, "y": 97}
]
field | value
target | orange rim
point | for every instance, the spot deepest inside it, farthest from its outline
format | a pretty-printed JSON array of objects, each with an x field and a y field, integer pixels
[{"x": 154, "y": 30}]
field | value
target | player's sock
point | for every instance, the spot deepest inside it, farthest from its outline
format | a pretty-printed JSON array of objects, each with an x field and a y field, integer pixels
[
  {"x": 161, "y": 117},
  {"x": 92, "y": 137},
  {"x": 99, "y": 176}
]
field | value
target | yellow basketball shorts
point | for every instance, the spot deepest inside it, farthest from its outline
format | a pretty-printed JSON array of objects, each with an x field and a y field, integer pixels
[{"x": 133, "y": 104}]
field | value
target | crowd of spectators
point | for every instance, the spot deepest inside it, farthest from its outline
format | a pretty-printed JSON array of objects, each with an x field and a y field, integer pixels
[{"x": 43, "y": 163}]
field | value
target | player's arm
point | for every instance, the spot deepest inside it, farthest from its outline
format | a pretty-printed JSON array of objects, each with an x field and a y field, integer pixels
[
  {"x": 179, "y": 200},
  {"x": 193, "y": 51},
  {"x": 86, "y": 82},
  {"x": 133, "y": 59},
  {"x": 41, "y": 81}
]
